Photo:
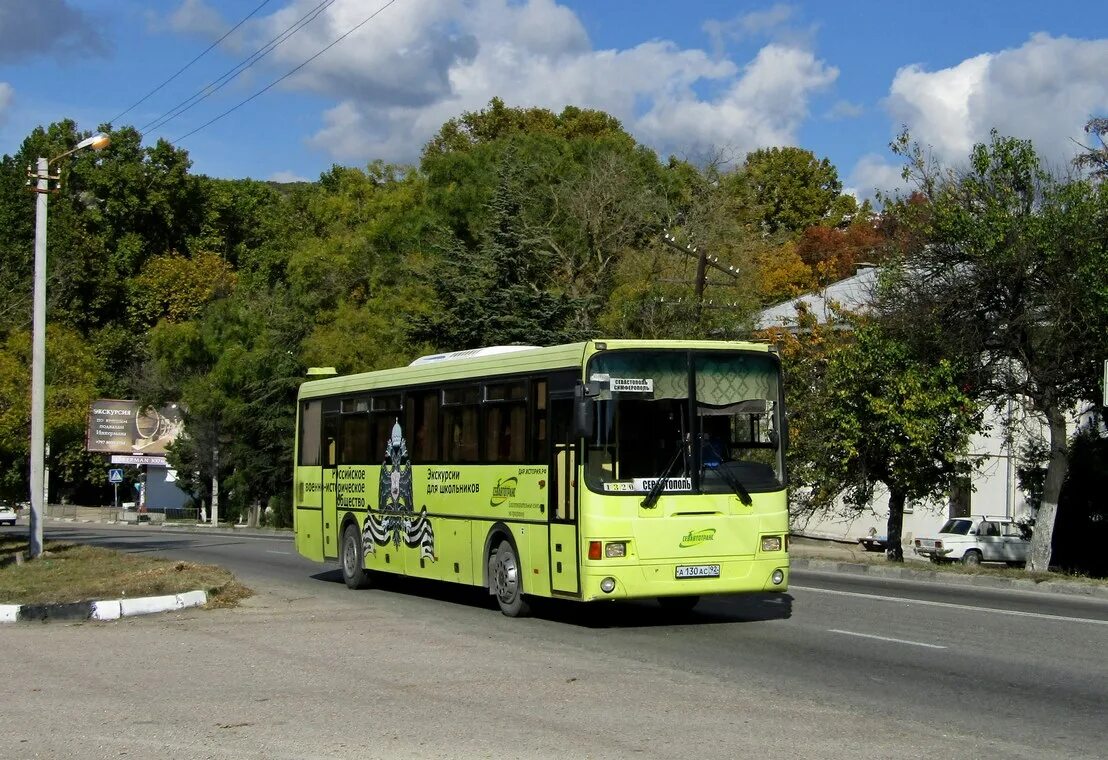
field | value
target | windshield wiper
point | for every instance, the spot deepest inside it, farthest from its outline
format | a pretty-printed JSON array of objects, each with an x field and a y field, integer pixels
[
  {"x": 727, "y": 475},
  {"x": 660, "y": 484}
]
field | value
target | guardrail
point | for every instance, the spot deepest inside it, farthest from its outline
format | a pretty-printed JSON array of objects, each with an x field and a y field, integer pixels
[{"x": 127, "y": 514}]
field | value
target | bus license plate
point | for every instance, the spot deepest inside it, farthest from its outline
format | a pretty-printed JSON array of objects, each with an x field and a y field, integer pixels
[{"x": 698, "y": 571}]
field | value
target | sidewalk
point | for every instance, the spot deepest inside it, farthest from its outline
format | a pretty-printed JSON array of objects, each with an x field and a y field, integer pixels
[{"x": 840, "y": 557}]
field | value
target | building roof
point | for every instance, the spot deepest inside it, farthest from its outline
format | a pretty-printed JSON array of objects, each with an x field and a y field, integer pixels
[{"x": 854, "y": 293}]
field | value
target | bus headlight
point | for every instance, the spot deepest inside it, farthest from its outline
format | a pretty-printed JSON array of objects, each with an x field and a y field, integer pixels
[
  {"x": 615, "y": 549},
  {"x": 608, "y": 585},
  {"x": 777, "y": 577},
  {"x": 771, "y": 543}
]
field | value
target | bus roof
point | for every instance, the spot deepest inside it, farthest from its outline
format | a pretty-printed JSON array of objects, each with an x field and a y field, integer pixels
[{"x": 571, "y": 355}]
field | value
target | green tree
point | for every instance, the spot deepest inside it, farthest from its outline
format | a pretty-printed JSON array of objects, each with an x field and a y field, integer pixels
[
  {"x": 73, "y": 374},
  {"x": 867, "y": 412},
  {"x": 792, "y": 190},
  {"x": 176, "y": 288},
  {"x": 1007, "y": 276},
  {"x": 496, "y": 292},
  {"x": 236, "y": 375},
  {"x": 1095, "y": 157}
]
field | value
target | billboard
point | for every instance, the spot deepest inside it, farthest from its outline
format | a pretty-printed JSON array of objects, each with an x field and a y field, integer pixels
[{"x": 118, "y": 426}]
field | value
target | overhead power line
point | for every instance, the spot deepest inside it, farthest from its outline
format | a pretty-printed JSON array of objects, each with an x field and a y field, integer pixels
[
  {"x": 231, "y": 74},
  {"x": 182, "y": 70},
  {"x": 277, "y": 81}
]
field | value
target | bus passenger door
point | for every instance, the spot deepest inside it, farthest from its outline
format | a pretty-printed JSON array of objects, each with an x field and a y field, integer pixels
[
  {"x": 563, "y": 497},
  {"x": 330, "y": 482},
  {"x": 308, "y": 508}
]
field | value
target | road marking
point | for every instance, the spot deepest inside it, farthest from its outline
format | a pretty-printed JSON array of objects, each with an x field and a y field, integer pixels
[
  {"x": 950, "y": 605},
  {"x": 270, "y": 551},
  {"x": 886, "y": 638}
]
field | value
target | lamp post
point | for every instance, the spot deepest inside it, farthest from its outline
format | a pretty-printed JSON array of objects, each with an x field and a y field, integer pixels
[{"x": 38, "y": 341}]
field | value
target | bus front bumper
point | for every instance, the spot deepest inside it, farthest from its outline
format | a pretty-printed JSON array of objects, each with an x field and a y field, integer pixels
[{"x": 601, "y": 580}]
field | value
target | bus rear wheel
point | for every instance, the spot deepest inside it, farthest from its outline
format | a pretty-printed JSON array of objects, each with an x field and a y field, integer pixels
[
  {"x": 353, "y": 563},
  {"x": 678, "y": 603},
  {"x": 506, "y": 583}
]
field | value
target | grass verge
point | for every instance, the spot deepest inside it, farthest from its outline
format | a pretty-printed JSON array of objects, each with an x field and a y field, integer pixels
[{"x": 68, "y": 572}]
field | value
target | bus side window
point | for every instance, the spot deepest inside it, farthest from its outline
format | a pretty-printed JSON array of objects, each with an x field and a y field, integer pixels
[
  {"x": 385, "y": 411},
  {"x": 564, "y": 475},
  {"x": 331, "y": 422},
  {"x": 460, "y": 420},
  {"x": 310, "y": 413},
  {"x": 355, "y": 439},
  {"x": 505, "y": 418},
  {"x": 540, "y": 427},
  {"x": 421, "y": 425}
]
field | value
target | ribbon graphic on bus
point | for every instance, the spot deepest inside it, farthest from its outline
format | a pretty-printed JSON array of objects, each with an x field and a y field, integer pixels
[{"x": 395, "y": 519}]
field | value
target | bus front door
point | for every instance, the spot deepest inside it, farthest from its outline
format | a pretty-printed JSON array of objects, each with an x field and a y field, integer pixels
[
  {"x": 563, "y": 499},
  {"x": 330, "y": 484}
]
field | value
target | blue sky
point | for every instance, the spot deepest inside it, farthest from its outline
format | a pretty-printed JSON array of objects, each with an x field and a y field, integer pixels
[{"x": 691, "y": 78}]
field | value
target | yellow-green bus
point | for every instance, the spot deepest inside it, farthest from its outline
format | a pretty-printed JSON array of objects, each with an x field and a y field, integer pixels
[{"x": 610, "y": 469}]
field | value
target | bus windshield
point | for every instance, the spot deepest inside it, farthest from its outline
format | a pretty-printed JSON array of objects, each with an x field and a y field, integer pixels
[{"x": 706, "y": 421}]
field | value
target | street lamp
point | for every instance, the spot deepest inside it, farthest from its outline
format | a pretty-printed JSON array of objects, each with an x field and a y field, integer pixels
[{"x": 38, "y": 342}]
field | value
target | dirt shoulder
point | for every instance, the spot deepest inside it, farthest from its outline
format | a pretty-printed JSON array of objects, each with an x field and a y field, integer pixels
[{"x": 70, "y": 572}]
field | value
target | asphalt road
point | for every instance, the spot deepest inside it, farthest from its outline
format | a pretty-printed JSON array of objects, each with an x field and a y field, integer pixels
[{"x": 843, "y": 666}]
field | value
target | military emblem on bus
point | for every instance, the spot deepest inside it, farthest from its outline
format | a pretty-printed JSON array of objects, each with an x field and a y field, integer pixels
[{"x": 395, "y": 518}]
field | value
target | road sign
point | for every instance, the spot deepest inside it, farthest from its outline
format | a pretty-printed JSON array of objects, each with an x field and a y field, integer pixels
[{"x": 115, "y": 476}]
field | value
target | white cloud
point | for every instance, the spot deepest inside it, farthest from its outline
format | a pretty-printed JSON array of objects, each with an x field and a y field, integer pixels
[
  {"x": 47, "y": 28},
  {"x": 7, "y": 92},
  {"x": 875, "y": 174},
  {"x": 197, "y": 17},
  {"x": 777, "y": 23},
  {"x": 748, "y": 24},
  {"x": 422, "y": 62},
  {"x": 1044, "y": 90},
  {"x": 844, "y": 109},
  {"x": 762, "y": 107},
  {"x": 287, "y": 176}
]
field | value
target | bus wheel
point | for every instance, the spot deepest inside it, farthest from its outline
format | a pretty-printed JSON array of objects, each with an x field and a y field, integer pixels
[
  {"x": 505, "y": 581},
  {"x": 678, "y": 603},
  {"x": 353, "y": 565}
]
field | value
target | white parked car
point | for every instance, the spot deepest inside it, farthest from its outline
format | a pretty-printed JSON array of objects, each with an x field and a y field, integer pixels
[
  {"x": 7, "y": 515},
  {"x": 973, "y": 540}
]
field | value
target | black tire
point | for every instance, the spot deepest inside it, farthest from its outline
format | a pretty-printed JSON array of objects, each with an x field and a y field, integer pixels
[
  {"x": 971, "y": 558},
  {"x": 506, "y": 581},
  {"x": 353, "y": 560},
  {"x": 678, "y": 603}
]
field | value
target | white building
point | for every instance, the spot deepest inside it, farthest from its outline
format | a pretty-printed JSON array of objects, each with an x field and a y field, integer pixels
[{"x": 993, "y": 489}]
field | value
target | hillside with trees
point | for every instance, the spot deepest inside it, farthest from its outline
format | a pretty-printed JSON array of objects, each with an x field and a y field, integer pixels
[{"x": 515, "y": 225}]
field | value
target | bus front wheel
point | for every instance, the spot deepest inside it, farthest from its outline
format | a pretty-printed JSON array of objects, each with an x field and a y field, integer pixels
[
  {"x": 353, "y": 564},
  {"x": 506, "y": 582}
]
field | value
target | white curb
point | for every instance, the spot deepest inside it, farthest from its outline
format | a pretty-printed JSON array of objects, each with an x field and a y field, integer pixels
[
  {"x": 105, "y": 610},
  {"x": 111, "y": 609},
  {"x": 149, "y": 604}
]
